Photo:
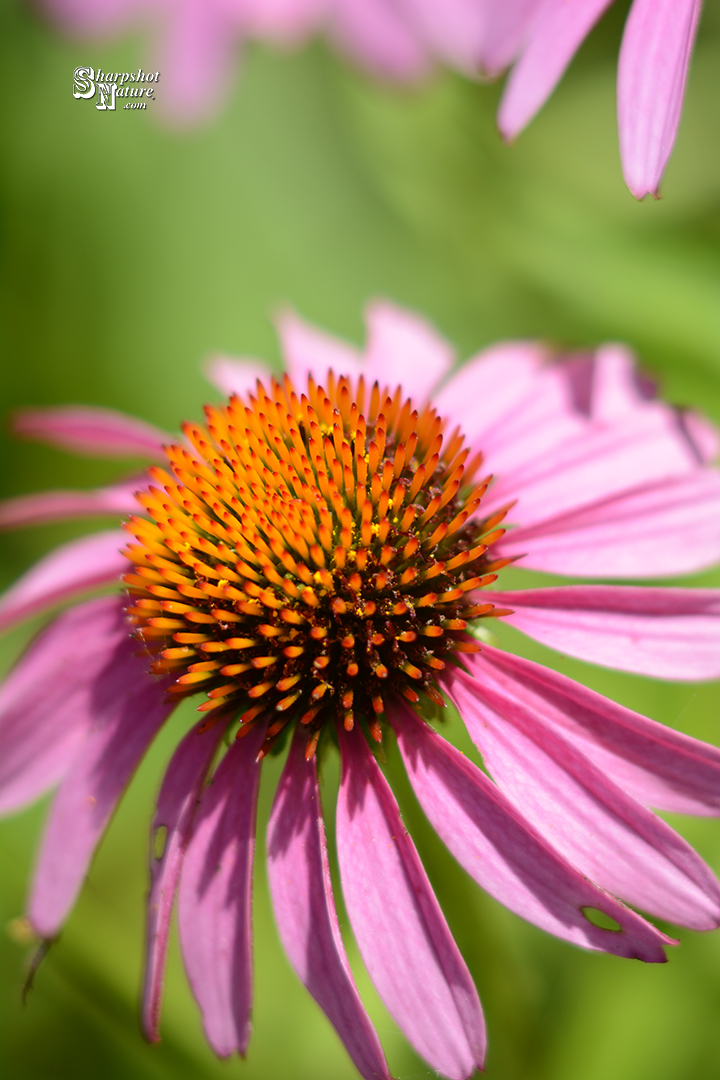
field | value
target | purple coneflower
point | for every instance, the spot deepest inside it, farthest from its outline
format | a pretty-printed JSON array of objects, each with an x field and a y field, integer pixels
[{"x": 318, "y": 561}]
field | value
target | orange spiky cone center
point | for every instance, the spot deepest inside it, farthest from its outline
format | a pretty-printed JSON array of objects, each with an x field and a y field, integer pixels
[{"x": 309, "y": 555}]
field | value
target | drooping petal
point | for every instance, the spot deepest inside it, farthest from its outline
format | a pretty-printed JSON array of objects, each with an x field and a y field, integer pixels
[
  {"x": 176, "y": 807},
  {"x": 94, "y": 431},
  {"x": 618, "y": 537},
  {"x": 665, "y": 633},
  {"x": 45, "y": 701},
  {"x": 589, "y": 819},
  {"x": 47, "y": 506},
  {"x": 489, "y": 385},
  {"x": 404, "y": 349},
  {"x": 236, "y": 376},
  {"x": 69, "y": 569},
  {"x": 305, "y": 913},
  {"x": 557, "y": 32},
  {"x": 215, "y": 897},
  {"x": 657, "y": 765},
  {"x": 307, "y": 350},
  {"x": 505, "y": 854},
  {"x": 400, "y": 929},
  {"x": 127, "y": 707},
  {"x": 652, "y": 71}
]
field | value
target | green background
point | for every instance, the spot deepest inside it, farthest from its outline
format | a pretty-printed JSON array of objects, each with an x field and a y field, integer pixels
[{"x": 129, "y": 252}]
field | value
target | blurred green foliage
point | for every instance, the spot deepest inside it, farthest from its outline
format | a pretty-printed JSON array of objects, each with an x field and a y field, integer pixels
[{"x": 130, "y": 252}]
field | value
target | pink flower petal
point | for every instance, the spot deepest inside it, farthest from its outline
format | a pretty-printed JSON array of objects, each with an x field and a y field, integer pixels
[
  {"x": 404, "y": 349},
  {"x": 45, "y": 700},
  {"x": 507, "y": 27},
  {"x": 400, "y": 929},
  {"x": 488, "y": 386},
  {"x": 618, "y": 537},
  {"x": 126, "y": 708},
  {"x": 656, "y": 765},
  {"x": 452, "y": 31},
  {"x": 378, "y": 36},
  {"x": 616, "y": 387},
  {"x": 665, "y": 633},
  {"x": 305, "y": 912},
  {"x": 307, "y": 350},
  {"x": 47, "y": 506},
  {"x": 195, "y": 58},
  {"x": 176, "y": 807},
  {"x": 592, "y": 822},
  {"x": 504, "y": 853},
  {"x": 602, "y": 461},
  {"x": 702, "y": 433},
  {"x": 94, "y": 431},
  {"x": 557, "y": 32},
  {"x": 236, "y": 376},
  {"x": 69, "y": 569},
  {"x": 544, "y": 418},
  {"x": 652, "y": 71},
  {"x": 215, "y": 897}
]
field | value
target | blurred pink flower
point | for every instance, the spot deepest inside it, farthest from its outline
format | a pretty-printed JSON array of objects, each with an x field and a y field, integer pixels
[
  {"x": 542, "y": 36},
  {"x": 315, "y": 562}
]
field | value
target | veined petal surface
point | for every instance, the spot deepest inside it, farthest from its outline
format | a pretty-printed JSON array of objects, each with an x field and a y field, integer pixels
[
  {"x": 598, "y": 827},
  {"x": 504, "y": 853},
  {"x": 307, "y": 921},
  {"x": 657, "y": 765},
  {"x": 652, "y": 72},
  {"x": 177, "y": 805},
  {"x": 126, "y": 710},
  {"x": 401, "y": 932},
  {"x": 215, "y": 897},
  {"x": 665, "y": 633},
  {"x": 45, "y": 701}
]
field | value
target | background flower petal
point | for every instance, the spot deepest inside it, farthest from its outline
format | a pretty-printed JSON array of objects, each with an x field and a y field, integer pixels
[
  {"x": 557, "y": 32},
  {"x": 308, "y": 350},
  {"x": 47, "y": 506},
  {"x": 652, "y": 71},
  {"x": 98, "y": 432},
  {"x": 236, "y": 375}
]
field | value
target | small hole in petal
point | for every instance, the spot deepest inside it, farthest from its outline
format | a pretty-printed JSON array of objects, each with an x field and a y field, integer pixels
[
  {"x": 599, "y": 918},
  {"x": 159, "y": 841}
]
